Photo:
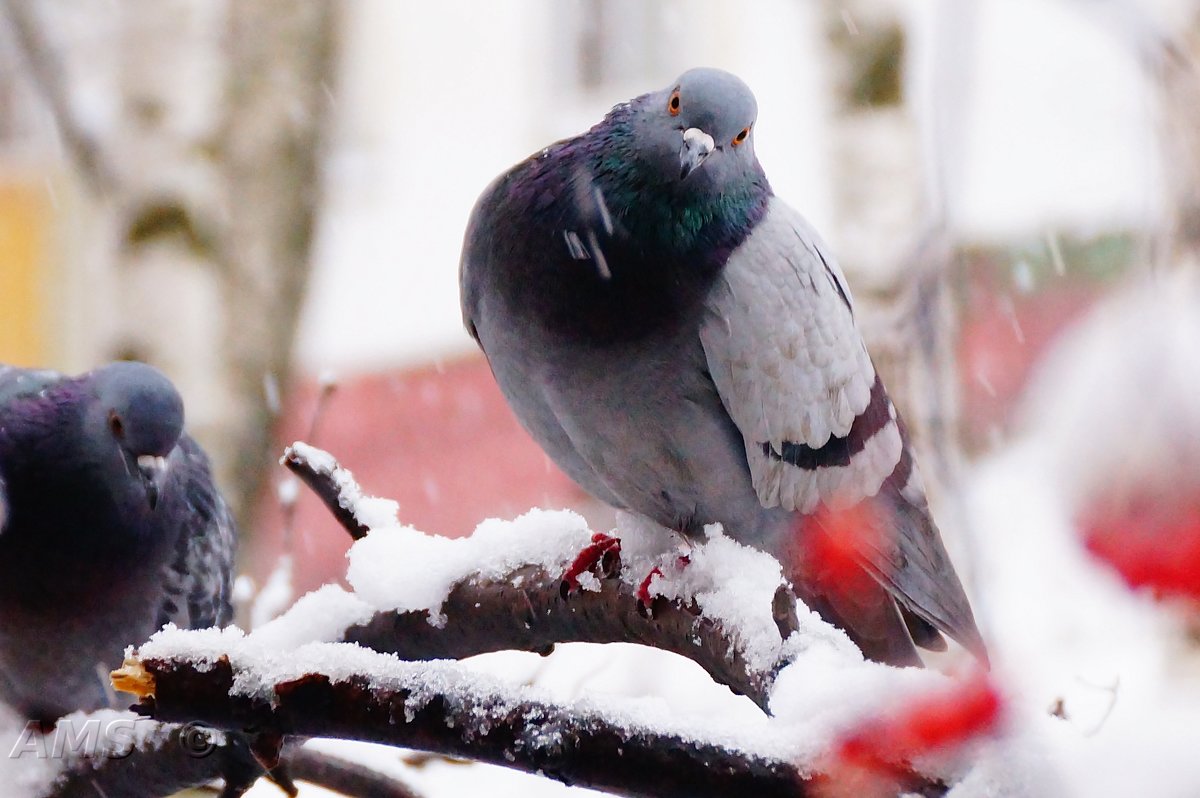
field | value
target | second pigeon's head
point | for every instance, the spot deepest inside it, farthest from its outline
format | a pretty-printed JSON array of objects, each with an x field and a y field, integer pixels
[
  {"x": 698, "y": 133},
  {"x": 142, "y": 414}
]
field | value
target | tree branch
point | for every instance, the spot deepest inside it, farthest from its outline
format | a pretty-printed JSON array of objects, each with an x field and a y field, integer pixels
[
  {"x": 343, "y": 776},
  {"x": 528, "y": 610},
  {"x": 272, "y": 698},
  {"x": 174, "y": 757},
  {"x": 437, "y": 708},
  {"x": 330, "y": 482}
]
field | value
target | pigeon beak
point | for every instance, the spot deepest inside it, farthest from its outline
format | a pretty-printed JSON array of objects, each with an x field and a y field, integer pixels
[
  {"x": 154, "y": 472},
  {"x": 697, "y": 146}
]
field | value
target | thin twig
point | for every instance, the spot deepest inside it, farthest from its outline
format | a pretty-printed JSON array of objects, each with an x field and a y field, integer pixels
[{"x": 343, "y": 776}]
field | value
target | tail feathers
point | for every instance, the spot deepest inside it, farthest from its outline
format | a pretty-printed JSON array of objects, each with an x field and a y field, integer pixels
[
  {"x": 923, "y": 633},
  {"x": 887, "y": 581},
  {"x": 868, "y": 616},
  {"x": 911, "y": 562}
]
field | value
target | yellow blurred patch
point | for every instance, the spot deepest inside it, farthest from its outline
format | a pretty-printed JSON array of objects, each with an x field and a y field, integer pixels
[{"x": 24, "y": 215}]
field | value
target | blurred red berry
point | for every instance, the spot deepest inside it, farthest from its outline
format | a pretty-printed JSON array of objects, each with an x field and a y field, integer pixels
[
  {"x": 1151, "y": 543},
  {"x": 929, "y": 725},
  {"x": 832, "y": 545}
]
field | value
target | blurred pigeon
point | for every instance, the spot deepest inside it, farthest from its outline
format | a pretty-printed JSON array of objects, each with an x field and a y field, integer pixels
[
  {"x": 683, "y": 345},
  {"x": 110, "y": 526}
]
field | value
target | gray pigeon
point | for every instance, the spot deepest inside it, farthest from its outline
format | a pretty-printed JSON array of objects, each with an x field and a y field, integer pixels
[
  {"x": 110, "y": 526},
  {"x": 683, "y": 345}
]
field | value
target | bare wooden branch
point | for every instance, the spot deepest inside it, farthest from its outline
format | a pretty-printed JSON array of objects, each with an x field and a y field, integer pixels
[
  {"x": 342, "y": 776},
  {"x": 186, "y": 757},
  {"x": 579, "y": 747}
]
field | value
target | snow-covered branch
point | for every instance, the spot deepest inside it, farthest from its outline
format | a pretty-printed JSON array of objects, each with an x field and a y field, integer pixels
[
  {"x": 331, "y": 483},
  {"x": 337, "y": 690},
  {"x": 528, "y": 610},
  {"x": 529, "y": 607}
]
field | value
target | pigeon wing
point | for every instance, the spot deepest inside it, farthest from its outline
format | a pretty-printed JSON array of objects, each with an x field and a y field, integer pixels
[
  {"x": 14, "y": 384},
  {"x": 793, "y": 371},
  {"x": 794, "y": 374},
  {"x": 198, "y": 582},
  {"x": 17, "y": 382}
]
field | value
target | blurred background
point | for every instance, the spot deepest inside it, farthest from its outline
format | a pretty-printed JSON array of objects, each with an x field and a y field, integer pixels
[{"x": 266, "y": 199}]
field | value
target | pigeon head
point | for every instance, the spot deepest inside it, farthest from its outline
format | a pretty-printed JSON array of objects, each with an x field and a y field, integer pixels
[
  {"x": 142, "y": 414},
  {"x": 676, "y": 167},
  {"x": 698, "y": 133}
]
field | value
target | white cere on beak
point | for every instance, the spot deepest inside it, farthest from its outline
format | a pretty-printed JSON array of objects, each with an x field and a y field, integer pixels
[
  {"x": 697, "y": 146},
  {"x": 697, "y": 140},
  {"x": 152, "y": 464}
]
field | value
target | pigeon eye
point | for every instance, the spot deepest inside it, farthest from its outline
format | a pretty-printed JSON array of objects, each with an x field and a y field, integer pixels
[
  {"x": 115, "y": 424},
  {"x": 742, "y": 136},
  {"x": 673, "y": 103}
]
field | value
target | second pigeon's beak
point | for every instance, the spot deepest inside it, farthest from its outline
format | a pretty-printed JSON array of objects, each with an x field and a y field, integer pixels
[
  {"x": 154, "y": 472},
  {"x": 697, "y": 146}
]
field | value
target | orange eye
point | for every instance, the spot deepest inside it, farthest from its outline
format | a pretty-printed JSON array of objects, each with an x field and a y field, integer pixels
[
  {"x": 673, "y": 103},
  {"x": 742, "y": 136}
]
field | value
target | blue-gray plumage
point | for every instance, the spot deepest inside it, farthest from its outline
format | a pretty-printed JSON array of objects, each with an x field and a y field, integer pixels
[
  {"x": 110, "y": 527},
  {"x": 683, "y": 345}
]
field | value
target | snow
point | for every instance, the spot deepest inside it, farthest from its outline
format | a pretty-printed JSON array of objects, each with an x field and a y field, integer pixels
[
  {"x": 401, "y": 568},
  {"x": 30, "y": 761},
  {"x": 736, "y": 585},
  {"x": 287, "y": 492},
  {"x": 30, "y": 774},
  {"x": 398, "y": 567},
  {"x": 322, "y": 615},
  {"x": 1110, "y": 737},
  {"x": 1131, "y": 368},
  {"x": 276, "y": 595},
  {"x": 244, "y": 590}
]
